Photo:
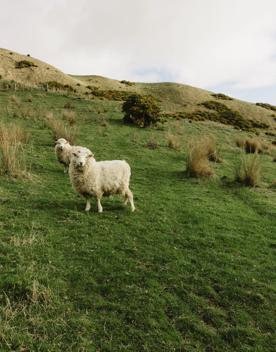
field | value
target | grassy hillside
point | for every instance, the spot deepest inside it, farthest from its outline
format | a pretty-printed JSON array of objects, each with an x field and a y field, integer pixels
[
  {"x": 193, "y": 269},
  {"x": 173, "y": 98}
]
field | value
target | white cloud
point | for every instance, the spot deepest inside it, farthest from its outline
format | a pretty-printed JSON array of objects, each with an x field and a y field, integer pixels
[{"x": 205, "y": 43}]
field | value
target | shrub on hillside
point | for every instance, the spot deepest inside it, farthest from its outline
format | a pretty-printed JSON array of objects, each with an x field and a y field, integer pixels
[
  {"x": 141, "y": 111},
  {"x": 248, "y": 171},
  {"x": 128, "y": 83},
  {"x": 24, "y": 64},
  {"x": 267, "y": 106},
  {"x": 214, "y": 105},
  {"x": 54, "y": 85},
  {"x": 221, "y": 96}
]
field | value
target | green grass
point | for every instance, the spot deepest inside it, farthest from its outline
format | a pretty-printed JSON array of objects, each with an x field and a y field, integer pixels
[{"x": 193, "y": 269}]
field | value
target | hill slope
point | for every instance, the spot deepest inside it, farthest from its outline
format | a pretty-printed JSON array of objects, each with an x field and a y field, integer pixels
[{"x": 173, "y": 97}]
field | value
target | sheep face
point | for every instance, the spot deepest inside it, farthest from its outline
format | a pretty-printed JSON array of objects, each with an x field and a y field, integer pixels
[
  {"x": 61, "y": 144},
  {"x": 80, "y": 156}
]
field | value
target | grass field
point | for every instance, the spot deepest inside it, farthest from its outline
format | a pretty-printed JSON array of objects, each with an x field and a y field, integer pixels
[{"x": 193, "y": 269}]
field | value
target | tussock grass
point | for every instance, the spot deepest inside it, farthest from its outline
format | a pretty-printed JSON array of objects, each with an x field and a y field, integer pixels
[
  {"x": 15, "y": 100},
  {"x": 70, "y": 117},
  {"x": 152, "y": 143},
  {"x": 12, "y": 139},
  {"x": 197, "y": 163},
  {"x": 240, "y": 142},
  {"x": 209, "y": 143},
  {"x": 253, "y": 145},
  {"x": 248, "y": 171},
  {"x": 173, "y": 141},
  {"x": 60, "y": 129}
]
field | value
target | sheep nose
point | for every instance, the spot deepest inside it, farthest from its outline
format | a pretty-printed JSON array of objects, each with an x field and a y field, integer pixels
[{"x": 81, "y": 163}]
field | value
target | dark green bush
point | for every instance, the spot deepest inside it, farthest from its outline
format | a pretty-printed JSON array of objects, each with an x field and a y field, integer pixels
[
  {"x": 221, "y": 96},
  {"x": 54, "y": 85},
  {"x": 267, "y": 106},
  {"x": 24, "y": 64},
  {"x": 107, "y": 94},
  {"x": 214, "y": 105},
  {"x": 128, "y": 83},
  {"x": 141, "y": 111}
]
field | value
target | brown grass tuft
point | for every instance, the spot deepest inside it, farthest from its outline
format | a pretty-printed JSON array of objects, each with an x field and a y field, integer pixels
[
  {"x": 60, "y": 129},
  {"x": 173, "y": 141},
  {"x": 70, "y": 117},
  {"x": 252, "y": 145},
  {"x": 248, "y": 171},
  {"x": 15, "y": 100},
  {"x": 209, "y": 144},
  {"x": 12, "y": 139},
  {"x": 240, "y": 142},
  {"x": 198, "y": 164},
  {"x": 152, "y": 143}
]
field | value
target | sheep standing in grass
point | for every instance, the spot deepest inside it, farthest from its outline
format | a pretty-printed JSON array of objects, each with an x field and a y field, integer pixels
[
  {"x": 63, "y": 151},
  {"x": 99, "y": 178}
]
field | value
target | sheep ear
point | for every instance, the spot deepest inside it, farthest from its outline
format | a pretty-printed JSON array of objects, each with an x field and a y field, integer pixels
[
  {"x": 74, "y": 154},
  {"x": 90, "y": 155}
]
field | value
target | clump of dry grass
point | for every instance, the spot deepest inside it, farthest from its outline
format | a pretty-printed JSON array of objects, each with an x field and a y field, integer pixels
[
  {"x": 198, "y": 164},
  {"x": 27, "y": 113},
  {"x": 209, "y": 144},
  {"x": 173, "y": 141},
  {"x": 248, "y": 171},
  {"x": 60, "y": 129},
  {"x": 70, "y": 117},
  {"x": 240, "y": 142},
  {"x": 152, "y": 143},
  {"x": 12, "y": 139},
  {"x": 266, "y": 147},
  {"x": 253, "y": 145},
  {"x": 15, "y": 100}
]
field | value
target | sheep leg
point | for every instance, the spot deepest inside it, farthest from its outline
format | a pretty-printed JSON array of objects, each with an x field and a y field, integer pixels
[
  {"x": 130, "y": 199},
  {"x": 126, "y": 199},
  {"x": 88, "y": 205},
  {"x": 100, "y": 208}
]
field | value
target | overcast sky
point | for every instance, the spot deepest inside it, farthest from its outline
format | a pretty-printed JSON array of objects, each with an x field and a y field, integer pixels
[{"x": 222, "y": 45}]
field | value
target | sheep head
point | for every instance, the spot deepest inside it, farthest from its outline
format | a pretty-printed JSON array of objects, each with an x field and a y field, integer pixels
[{"x": 80, "y": 157}]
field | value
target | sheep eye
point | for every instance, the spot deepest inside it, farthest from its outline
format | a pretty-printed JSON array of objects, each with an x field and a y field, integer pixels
[{"x": 75, "y": 154}]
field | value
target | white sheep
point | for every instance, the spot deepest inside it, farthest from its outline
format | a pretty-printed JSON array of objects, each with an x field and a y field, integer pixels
[
  {"x": 63, "y": 151},
  {"x": 99, "y": 178}
]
